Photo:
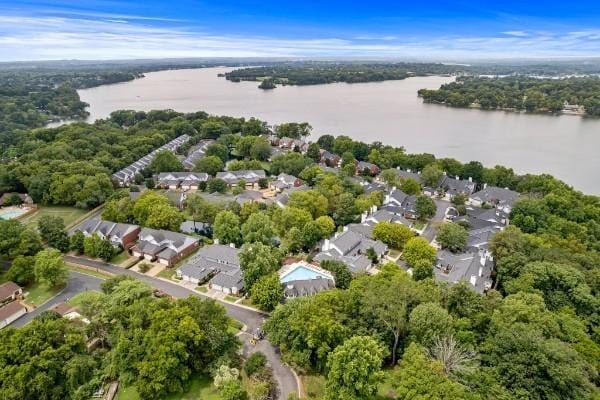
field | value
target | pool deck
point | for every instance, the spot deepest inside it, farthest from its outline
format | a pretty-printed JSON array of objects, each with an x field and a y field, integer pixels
[
  {"x": 301, "y": 270},
  {"x": 13, "y": 212}
]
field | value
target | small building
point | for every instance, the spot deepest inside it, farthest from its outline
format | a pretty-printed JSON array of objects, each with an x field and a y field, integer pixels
[
  {"x": 69, "y": 312},
  {"x": 181, "y": 180},
  {"x": 284, "y": 181},
  {"x": 195, "y": 153},
  {"x": 11, "y": 312},
  {"x": 353, "y": 249},
  {"x": 251, "y": 177},
  {"x": 469, "y": 267},
  {"x": 363, "y": 167},
  {"x": 497, "y": 197},
  {"x": 217, "y": 264},
  {"x": 165, "y": 246},
  {"x": 330, "y": 159},
  {"x": 9, "y": 291},
  {"x": 304, "y": 279},
  {"x": 119, "y": 234}
]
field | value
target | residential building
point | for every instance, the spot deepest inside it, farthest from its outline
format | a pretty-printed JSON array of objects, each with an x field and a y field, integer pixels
[
  {"x": 176, "y": 198},
  {"x": 282, "y": 198},
  {"x": 69, "y": 312},
  {"x": 330, "y": 159},
  {"x": 385, "y": 216},
  {"x": 181, "y": 180},
  {"x": 304, "y": 279},
  {"x": 164, "y": 246},
  {"x": 127, "y": 175},
  {"x": 251, "y": 177},
  {"x": 399, "y": 203},
  {"x": 195, "y": 153},
  {"x": 363, "y": 167},
  {"x": 119, "y": 234},
  {"x": 199, "y": 228},
  {"x": 11, "y": 312},
  {"x": 285, "y": 181},
  {"x": 469, "y": 267},
  {"x": 217, "y": 264},
  {"x": 454, "y": 186},
  {"x": 500, "y": 198},
  {"x": 9, "y": 291},
  {"x": 352, "y": 248}
]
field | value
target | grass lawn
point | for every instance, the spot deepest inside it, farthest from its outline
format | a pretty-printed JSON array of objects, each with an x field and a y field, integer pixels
[
  {"x": 38, "y": 293},
  {"x": 234, "y": 326},
  {"x": 314, "y": 386},
  {"x": 167, "y": 273},
  {"x": 202, "y": 289},
  {"x": 231, "y": 299},
  {"x": 119, "y": 258},
  {"x": 99, "y": 274},
  {"x": 419, "y": 225},
  {"x": 76, "y": 300},
  {"x": 69, "y": 214},
  {"x": 199, "y": 387}
]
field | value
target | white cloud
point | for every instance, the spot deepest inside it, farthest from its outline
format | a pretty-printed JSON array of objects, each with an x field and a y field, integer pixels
[{"x": 126, "y": 37}]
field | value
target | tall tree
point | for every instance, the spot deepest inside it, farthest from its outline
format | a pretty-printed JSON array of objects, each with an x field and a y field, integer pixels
[{"x": 50, "y": 268}]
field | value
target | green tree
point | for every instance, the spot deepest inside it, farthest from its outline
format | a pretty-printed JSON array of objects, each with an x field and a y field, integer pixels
[
  {"x": 105, "y": 250},
  {"x": 287, "y": 218},
  {"x": 232, "y": 390},
  {"x": 59, "y": 240},
  {"x": 452, "y": 236},
  {"x": 418, "y": 377},
  {"x": 427, "y": 322},
  {"x": 227, "y": 228},
  {"x": 50, "y": 268},
  {"x": 146, "y": 203},
  {"x": 425, "y": 207},
  {"x": 257, "y": 260},
  {"x": 49, "y": 224},
  {"x": 423, "y": 269},
  {"x": 200, "y": 209},
  {"x": 22, "y": 270},
  {"x": 216, "y": 185},
  {"x": 309, "y": 200},
  {"x": 91, "y": 245},
  {"x": 354, "y": 369},
  {"x": 209, "y": 164},
  {"x": 218, "y": 150},
  {"x": 30, "y": 243},
  {"x": 164, "y": 217},
  {"x": 76, "y": 242},
  {"x": 118, "y": 210},
  {"x": 267, "y": 292},
  {"x": 392, "y": 234},
  {"x": 345, "y": 211},
  {"x": 410, "y": 186},
  {"x": 258, "y": 228},
  {"x": 432, "y": 175},
  {"x": 389, "y": 176},
  {"x": 418, "y": 250},
  {"x": 326, "y": 225},
  {"x": 340, "y": 271},
  {"x": 165, "y": 161}
]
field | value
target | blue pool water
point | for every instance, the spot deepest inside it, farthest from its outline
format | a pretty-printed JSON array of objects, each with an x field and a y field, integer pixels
[
  {"x": 301, "y": 273},
  {"x": 10, "y": 214}
]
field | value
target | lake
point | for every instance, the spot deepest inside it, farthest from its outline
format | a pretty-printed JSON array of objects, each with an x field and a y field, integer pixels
[{"x": 390, "y": 112}]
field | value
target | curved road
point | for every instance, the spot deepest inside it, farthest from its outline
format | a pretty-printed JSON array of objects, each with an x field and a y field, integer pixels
[
  {"x": 286, "y": 380},
  {"x": 77, "y": 283}
]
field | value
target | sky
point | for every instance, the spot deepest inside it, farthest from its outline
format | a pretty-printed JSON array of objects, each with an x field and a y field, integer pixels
[{"x": 431, "y": 30}]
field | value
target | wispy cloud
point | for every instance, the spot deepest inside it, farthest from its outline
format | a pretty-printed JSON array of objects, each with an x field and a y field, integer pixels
[{"x": 116, "y": 36}]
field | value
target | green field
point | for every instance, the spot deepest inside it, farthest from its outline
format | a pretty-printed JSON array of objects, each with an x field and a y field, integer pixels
[
  {"x": 38, "y": 294},
  {"x": 69, "y": 214},
  {"x": 200, "y": 388}
]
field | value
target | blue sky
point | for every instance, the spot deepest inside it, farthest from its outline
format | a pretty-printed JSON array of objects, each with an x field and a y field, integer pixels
[{"x": 432, "y": 30}]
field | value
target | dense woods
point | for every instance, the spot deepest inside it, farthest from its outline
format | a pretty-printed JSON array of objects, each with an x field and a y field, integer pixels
[
  {"x": 319, "y": 73},
  {"x": 519, "y": 93}
]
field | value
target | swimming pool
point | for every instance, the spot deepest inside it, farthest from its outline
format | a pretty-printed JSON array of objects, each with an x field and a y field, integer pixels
[
  {"x": 11, "y": 214},
  {"x": 302, "y": 273}
]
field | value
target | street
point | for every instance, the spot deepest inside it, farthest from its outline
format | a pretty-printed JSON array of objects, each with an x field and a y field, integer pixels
[
  {"x": 77, "y": 283},
  {"x": 286, "y": 381},
  {"x": 438, "y": 218}
]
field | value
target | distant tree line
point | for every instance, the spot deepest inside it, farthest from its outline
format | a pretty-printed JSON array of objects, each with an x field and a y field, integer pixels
[{"x": 519, "y": 93}]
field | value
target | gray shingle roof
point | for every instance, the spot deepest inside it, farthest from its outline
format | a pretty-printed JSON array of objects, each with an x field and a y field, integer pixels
[{"x": 496, "y": 195}]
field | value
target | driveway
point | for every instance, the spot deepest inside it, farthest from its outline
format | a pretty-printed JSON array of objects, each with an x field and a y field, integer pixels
[
  {"x": 440, "y": 213},
  {"x": 286, "y": 381},
  {"x": 77, "y": 283}
]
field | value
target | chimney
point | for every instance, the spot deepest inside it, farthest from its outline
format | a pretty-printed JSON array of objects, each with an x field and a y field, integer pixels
[
  {"x": 485, "y": 185},
  {"x": 345, "y": 229},
  {"x": 408, "y": 170},
  {"x": 473, "y": 280},
  {"x": 470, "y": 179},
  {"x": 387, "y": 199},
  {"x": 363, "y": 217},
  {"x": 232, "y": 245},
  {"x": 325, "y": 246},
  {"x": 373, "y": 209},
  {"x": 457, "y": 178}
]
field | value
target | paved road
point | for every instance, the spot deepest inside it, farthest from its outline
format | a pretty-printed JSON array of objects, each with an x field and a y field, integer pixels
[
  {"x": 286, "y": 381},
  {"x": 440, "y": 214},
  {"x": 77, "y": 283}
]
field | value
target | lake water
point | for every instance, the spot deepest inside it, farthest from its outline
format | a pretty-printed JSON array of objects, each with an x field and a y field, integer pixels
[{"x": 567, "y": 147}]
